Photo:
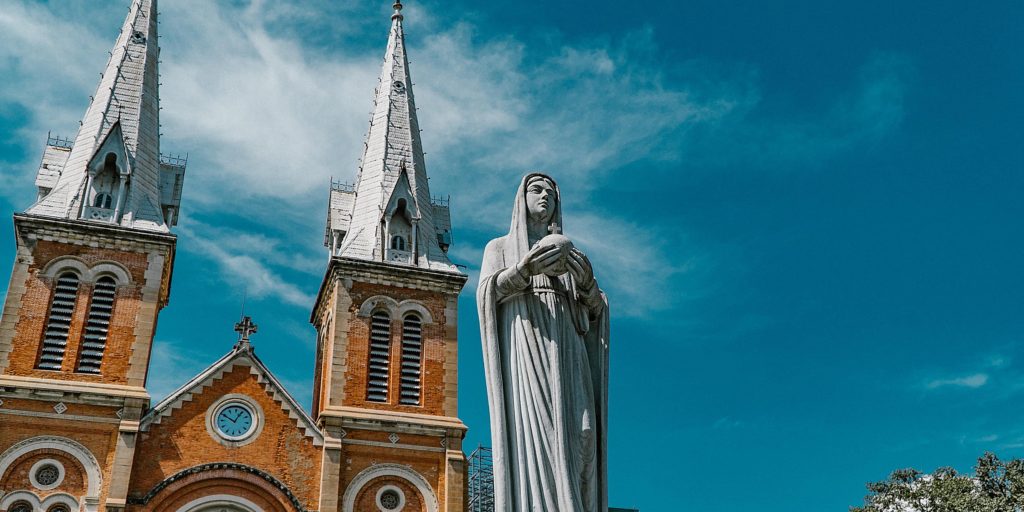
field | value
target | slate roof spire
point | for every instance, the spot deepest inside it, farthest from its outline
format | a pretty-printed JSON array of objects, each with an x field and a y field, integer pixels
[
  {"x": 113, "y": 171},
  {"x": 389, "y": 215}
]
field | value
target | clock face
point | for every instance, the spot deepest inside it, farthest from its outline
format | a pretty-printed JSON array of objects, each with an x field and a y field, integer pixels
[{"x": 234, "y": 421}]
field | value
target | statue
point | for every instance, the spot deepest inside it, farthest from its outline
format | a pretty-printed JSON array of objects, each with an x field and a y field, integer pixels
[{"x": 544, "y": 327}]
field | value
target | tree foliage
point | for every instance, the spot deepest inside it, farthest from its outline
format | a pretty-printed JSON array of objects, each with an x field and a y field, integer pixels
[{"x": 996, "y": 486}]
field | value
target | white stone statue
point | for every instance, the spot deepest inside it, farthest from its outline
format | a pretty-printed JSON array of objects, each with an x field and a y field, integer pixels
[{"x": 544, "y": 326}]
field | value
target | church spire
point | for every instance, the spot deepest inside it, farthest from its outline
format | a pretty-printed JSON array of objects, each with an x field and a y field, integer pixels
[
  {"x": 389, "y": 215},
  {"x": 113, "y": 173}
]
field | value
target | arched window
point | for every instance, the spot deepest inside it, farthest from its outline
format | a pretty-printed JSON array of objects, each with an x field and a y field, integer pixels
[
  {"x": 55, "y": 338},
  {"x": 397, "y": 242},
  {"x": 412, "y": 359},
  {"x": 103, "y": 200},
  {"x": 380, "y": 354},
  {"x": 94, "y": 341},
  {"x": 20, "y": 506}
]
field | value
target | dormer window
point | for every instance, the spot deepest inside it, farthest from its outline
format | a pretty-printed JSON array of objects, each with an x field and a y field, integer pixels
[{"x": 104, "y": 188}]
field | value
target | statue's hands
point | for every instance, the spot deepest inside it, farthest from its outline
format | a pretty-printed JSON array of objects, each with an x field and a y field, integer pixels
[
  {"x": 538, "y": 260},
  {"x": 580, "y": 268}
]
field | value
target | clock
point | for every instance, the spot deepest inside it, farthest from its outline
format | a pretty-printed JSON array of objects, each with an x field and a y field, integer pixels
[{"x": 235, "y": 421}]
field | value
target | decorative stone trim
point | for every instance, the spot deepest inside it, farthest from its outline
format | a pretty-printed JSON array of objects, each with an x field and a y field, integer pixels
[
  {"x": 86, "y": 273},
  {"x": 215, "y": 466},
  {"x": 406, "y": 473},
  {"x": 215, "y": 500},
  {"x": 215, "y": 372},
  {"x": 77, "y": 451},
  {"x": 396, "y": 309}
]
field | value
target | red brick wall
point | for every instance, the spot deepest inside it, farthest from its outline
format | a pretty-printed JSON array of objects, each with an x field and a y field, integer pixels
[
  {"x": 367, "y": 498},
  {"x": 99, "y": 438},
  {"x": 181, "y": 441},
  {"x": 432, "y": 378},
  {"x": 75, "y": 480},
  {"x": 35, "y": 309}
]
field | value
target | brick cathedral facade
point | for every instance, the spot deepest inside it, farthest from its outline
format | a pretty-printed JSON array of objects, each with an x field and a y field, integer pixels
[{"x": 95, "y": 254}]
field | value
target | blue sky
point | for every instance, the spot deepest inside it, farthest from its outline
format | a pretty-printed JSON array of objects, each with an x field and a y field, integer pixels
[{"x": 807, "y": 215}]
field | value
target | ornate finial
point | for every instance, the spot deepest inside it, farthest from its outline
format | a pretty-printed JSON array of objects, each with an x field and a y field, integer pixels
[
  {"x": 398, "y": 11},
  {"x": 245, "y": 328}
]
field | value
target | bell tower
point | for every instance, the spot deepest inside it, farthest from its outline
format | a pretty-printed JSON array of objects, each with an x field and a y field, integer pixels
[
  {"x": 386, "y": 372},
  {"x": 92, "y": 272}
]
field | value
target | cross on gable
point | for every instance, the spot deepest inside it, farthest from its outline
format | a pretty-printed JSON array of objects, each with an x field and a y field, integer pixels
[{"x": 245, "y": 328}]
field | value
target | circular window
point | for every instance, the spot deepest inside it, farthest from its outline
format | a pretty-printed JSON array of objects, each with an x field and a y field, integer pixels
[
  {"x": 390, "y": 498},
  {"x": 46, "y": 474},
  {"x": 399, "y": 86},
  {"x": 59, "y": 508},
  {"x": 21, "y": 506}
]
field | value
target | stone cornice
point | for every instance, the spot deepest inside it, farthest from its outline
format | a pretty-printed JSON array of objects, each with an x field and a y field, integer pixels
[
  {"x": 94, "y": 232},
  {"x": 388, "y": 274},
  {"x": 411, "y": 423},
  {"x": 79, "y": 392}
]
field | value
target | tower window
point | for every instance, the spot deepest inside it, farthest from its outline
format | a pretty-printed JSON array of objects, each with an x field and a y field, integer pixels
[
  {"x": 398, "y": 243},
  {"x": 380, "y": 355},
  {"x": 55, "y": 338},
  {"x": 103, "y": 200},
  {"x": 412, "y": 360},
  {"x": 96, "y": 328}
]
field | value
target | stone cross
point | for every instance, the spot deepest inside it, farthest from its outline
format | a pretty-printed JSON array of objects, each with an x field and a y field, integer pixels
[{"x": 245, "y": 328}]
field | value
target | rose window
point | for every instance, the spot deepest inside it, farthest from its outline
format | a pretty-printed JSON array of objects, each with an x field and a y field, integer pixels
[
  {"x": 48, "y": 474},
  {"x": 390, "y": 500}
]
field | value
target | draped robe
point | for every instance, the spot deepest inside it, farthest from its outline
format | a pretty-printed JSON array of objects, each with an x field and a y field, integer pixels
[{"x": 545, "y": 347}]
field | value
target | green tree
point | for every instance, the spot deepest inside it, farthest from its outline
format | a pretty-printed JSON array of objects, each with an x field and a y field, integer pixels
[{"x": 996, "y": 486}]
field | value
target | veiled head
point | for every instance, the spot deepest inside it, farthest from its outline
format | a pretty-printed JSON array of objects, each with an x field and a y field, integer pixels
[{"x": 541, "y": 198}]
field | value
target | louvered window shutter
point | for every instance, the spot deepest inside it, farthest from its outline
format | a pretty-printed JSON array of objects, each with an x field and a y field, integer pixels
[
  {"x": 96, "y": 328},
  {"x": 55, "y": 338},
  {"x": 412, "y": 357},
  {"x": 380, "y": 344}
]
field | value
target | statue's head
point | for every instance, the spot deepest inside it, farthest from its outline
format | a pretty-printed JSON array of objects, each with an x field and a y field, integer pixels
[{"x": 541, "y": 198}]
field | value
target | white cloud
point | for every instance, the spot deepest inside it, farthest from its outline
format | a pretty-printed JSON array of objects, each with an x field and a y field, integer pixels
[
  {"x": 247, "y": 270},
  {"x": 971, "y": 381},
  {"x": 267, "y": 115}
]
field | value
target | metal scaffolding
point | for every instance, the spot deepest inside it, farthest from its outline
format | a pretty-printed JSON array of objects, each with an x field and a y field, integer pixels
[{"x": 481, "y": 480}]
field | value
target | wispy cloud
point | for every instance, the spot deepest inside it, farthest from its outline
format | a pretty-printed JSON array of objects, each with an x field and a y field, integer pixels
[
  {"x": 171, "y": 365},
  {"x": 247, "y": 270},
  {"x": 268, "y": 112},
  {"x": 970, "y": 381}
]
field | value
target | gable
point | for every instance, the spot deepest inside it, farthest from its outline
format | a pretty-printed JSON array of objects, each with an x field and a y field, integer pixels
[{"x": 181, "y": 432}]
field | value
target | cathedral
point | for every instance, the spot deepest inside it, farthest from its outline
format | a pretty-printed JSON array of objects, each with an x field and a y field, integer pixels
[{"x": 93, "y": 270}]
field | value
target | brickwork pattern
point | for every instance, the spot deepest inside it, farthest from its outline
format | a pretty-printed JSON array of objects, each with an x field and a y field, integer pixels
[
  {"x": 181, "y": 441},
  {"x": 17, "y": 477},
  {"x": 99, "y": 438},
  {"x": 435, "y": 342},
  {"x": 35, "y": 305},
  {"x": 367, "y": 498}
]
